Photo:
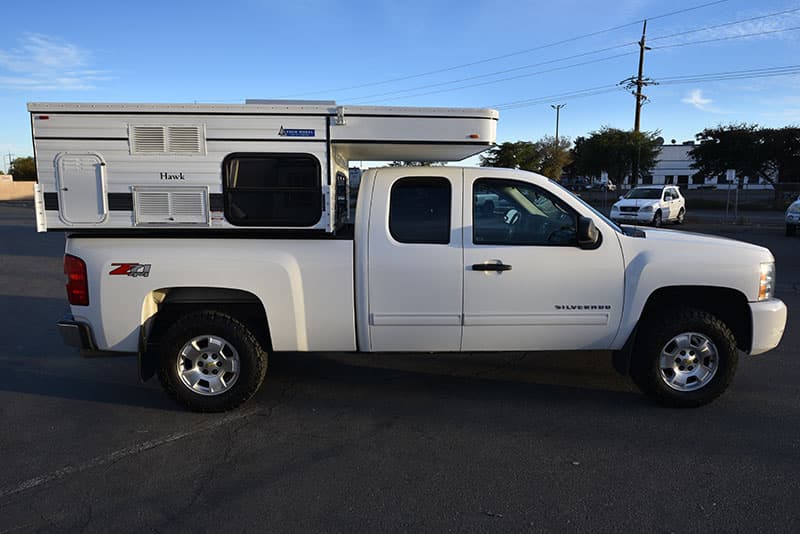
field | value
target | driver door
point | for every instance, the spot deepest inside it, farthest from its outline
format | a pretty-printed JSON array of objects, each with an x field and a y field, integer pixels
[
  {"x": 668, "y": 205},
  {"x": 527, "y": 284}
]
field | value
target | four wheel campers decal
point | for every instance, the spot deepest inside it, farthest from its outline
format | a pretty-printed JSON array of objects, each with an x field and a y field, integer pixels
[
  {"x": 296, "y": 132},
  {"x": 130, "y": 269}
]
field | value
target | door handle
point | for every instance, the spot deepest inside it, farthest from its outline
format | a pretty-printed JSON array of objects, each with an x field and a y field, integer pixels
[{"x": 490, "y": 267}]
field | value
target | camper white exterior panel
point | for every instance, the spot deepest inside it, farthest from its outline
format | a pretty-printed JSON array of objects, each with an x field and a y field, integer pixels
[
  {"x": 97, "y": 126},
  {"x": 186, "y": 144},
  {"x": 416, "y": 129},
  {"x": 413, "y": 138}
]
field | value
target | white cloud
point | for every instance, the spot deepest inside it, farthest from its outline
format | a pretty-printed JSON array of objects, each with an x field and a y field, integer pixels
[
  {"x": 696, "y": 99},
  {"x": 782, "y": 26},
  {"x": 45, "y": 63}
]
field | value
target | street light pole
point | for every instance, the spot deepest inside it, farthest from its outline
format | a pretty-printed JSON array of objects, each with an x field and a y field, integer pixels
[{"x": 557, "y": 107}]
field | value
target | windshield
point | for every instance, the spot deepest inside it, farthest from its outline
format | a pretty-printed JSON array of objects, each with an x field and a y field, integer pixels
[
  {"x": 608, "y": 221},
  {"x": 644, "y": 192}
]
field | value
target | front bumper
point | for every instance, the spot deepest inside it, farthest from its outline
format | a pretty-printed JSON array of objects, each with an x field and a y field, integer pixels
[
  {"x": 76, "y": 334},
  {"x": 629, "y": 217},
  {"x": 769, "y": 321}
]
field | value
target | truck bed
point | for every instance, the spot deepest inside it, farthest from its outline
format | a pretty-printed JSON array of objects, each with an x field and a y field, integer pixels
[{"x": 305, "y": 285}]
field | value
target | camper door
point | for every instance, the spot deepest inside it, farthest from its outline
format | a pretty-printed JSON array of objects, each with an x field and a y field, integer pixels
[{"x": 81, "y": 182}]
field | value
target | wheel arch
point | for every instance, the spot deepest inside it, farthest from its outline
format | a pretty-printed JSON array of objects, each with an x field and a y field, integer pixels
[
  {"x": 729, "y": 305},
  {"x": 161, "y": 307}
]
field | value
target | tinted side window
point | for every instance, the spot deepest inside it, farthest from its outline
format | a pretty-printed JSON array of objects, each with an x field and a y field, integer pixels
[
  {"x": 508, "y": 212},
  {"x": 419, "y": 210},
  {"x": 272, "y": 189}
]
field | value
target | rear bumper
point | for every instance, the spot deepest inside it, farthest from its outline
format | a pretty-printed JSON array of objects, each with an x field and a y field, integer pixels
[
  {"x": 769, "y": 321},
  {"x": 76, "y": 334}
]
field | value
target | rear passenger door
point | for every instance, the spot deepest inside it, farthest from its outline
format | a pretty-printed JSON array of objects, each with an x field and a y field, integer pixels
[{"x": 415, "y": 271}]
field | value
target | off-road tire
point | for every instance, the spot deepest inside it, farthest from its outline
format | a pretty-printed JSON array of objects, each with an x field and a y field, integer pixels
[
  {"x": 252, "y": 360},
  {"x": 657, "y": 332}
]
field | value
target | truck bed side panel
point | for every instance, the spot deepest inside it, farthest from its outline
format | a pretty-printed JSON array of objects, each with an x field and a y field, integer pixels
[{"x": 306, "y": 286}]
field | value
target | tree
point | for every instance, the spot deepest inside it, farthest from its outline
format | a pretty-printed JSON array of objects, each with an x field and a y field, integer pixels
[
  {"x": 555, "y": 157},
  {"x": 415, "y": 163},
  {"x": 620, "y": 153},
  {"x": 542, "y": 156},
  {"x": 524, "y": 155},
  {"x": 23, "y": 169},
  {"x": 782, "y": 149},
  {"x": 742, "y": 147}
]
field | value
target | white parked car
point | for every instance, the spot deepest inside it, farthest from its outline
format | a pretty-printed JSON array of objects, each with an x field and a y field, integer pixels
[
  {"x": 650, "y": 204},
  {"x": 486, "y": 202},
  {"x": 793, "y": 217}
]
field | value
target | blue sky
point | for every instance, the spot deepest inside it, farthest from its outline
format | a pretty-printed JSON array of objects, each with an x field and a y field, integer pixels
[{"x": 165, "y": 51}]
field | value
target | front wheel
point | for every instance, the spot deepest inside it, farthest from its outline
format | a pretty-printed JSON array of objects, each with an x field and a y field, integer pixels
[
  {"x": 657, "y": 219},
  {"x": 685, "y": 358},
  {"x": 211, "y": 362}
]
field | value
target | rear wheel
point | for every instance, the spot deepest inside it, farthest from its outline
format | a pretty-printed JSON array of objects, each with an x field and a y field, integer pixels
[
  {"x": 684, "y": 358},
  {"x": 681, "y": 216},
  {"x": 211, "y": 362}
]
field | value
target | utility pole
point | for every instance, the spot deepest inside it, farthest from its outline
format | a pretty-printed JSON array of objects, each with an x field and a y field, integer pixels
[{"x": 638, "y": 82}]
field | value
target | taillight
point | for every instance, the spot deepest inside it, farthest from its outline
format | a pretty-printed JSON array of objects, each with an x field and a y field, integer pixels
[{"x": 77, "y": 282}]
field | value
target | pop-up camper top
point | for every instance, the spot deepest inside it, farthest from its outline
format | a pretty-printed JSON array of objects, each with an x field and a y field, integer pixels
[{"x": 262, "y": 164}]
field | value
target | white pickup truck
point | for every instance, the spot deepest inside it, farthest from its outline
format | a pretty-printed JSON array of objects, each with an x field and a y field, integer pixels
[{"x": 424, "y": 267}]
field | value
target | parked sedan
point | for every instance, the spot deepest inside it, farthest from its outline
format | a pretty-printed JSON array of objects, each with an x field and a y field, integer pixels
[
  {"x": 793, "y": 217},
  {"x": 654, "y": 205}
]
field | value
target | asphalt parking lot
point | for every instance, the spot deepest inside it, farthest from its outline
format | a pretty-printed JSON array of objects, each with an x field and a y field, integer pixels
[{"x": 338, "y": 443}]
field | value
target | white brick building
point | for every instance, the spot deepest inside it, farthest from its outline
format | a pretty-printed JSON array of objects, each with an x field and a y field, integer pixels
[{"x": 674, "y": 166}]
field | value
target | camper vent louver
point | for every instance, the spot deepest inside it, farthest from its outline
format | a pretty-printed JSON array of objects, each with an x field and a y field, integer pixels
[
  {"x": 146, "y": 140},
  {"x": 167, "y": 206}
]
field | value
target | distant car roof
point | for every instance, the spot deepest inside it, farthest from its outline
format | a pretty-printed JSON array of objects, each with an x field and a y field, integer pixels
[{"x": 656, "y": 186}]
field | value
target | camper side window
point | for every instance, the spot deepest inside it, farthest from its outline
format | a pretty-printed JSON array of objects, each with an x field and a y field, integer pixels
[{"x": 272, "y": 189}]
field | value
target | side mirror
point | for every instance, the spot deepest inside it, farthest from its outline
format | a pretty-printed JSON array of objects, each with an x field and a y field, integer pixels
[
  {"x": 588, "y": 235},
  {"x": 622, "y": 197}
]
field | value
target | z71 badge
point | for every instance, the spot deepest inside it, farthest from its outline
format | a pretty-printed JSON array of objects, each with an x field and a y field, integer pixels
[{"x": 131, "y": 269}]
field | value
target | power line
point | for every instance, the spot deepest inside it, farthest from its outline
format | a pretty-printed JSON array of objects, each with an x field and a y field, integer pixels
[
  {"x": 604, "y": 89},
  {"x": 608, "y": 58},
  {"x": 741, "y": 75},
  {"x": 511, "y": 54},
  {"x": 495, "y": 73},
  {"x": 765, "y": 72},
  {"x": 726, "y": 24},
  {"x": 728, "y": 38},
  {"x": 591, "y": 52}
]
